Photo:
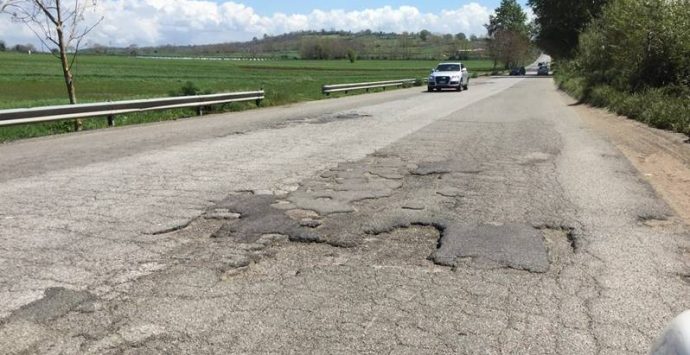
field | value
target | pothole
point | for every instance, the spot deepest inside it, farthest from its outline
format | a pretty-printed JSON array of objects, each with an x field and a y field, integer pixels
[
  {"x": 431, "y": 168},
  {"x": 560, "y": 244},
  {"x": 340, "y": 117},
  {"x": 221, "y": 213},
  {"x": 654, "y": 221},
  {"x": 560, "y": 235}
]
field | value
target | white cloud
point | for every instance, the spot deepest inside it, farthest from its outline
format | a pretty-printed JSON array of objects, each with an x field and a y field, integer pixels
[{"x": 158, "y": 22}]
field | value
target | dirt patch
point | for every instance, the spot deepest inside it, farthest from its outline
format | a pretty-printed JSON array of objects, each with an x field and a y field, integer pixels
[{"x": 661, "y": 157}]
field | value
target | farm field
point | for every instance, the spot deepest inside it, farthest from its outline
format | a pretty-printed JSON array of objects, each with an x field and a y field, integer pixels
[{"x": 36, "y": 80}]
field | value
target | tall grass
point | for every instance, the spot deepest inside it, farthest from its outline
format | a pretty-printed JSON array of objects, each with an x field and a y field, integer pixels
[{"x": 664, "y": 108}]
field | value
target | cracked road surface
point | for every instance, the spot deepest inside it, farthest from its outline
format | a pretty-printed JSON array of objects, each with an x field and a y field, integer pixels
[{"x": 489, "y": 221}]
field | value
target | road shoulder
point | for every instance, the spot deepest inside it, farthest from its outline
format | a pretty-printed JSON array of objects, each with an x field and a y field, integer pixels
[{"x": 661, "y": 157}]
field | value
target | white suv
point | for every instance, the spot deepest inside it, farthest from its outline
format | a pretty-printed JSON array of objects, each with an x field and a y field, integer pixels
[{"x": 450, "y": 76}]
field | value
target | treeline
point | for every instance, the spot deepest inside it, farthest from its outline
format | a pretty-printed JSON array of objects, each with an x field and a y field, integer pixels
[
  {"x": 22, "y": 48},
  {"x": 327, "y": 45},
  {"x": 632, "y": 56}
]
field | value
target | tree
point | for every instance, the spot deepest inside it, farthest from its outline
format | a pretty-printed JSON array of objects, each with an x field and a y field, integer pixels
[
  {"x": 509, "y": 16},
  {"x": 56, "y": 25},
  {"x": 560, "y": 22},
  {"x": 24, "y": 48},
  {"x": 351, "y": 55},
  {"x": 461, "y": 37},
  {"x": 508, "y": 34},
  {"x": 3, "y": 47},
  {"x": 424, "y": 35}
]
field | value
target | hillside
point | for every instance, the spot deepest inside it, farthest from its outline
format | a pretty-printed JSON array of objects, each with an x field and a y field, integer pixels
[{"x": 326, "y": 45}]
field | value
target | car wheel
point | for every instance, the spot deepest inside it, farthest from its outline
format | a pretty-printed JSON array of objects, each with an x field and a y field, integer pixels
[
  {"x": 430, "y": 89},
  {"x": 465, "y": 87},
  {"x": 459, "y": 88}
]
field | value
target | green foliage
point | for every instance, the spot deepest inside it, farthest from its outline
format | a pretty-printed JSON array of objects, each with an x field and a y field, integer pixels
[
  {"x": 665, "y": 108},
  {"x": 635, "y": 60},
  {"x": 558, "y": 23},
  {"x": 424, "y": 35},
  {"x": 188, "y": 89},
  {"x": 509, "y": 34},
  {"x": 351, "y": 55},
  {"x": 3, "y": 47},
  {"x": 509, "y": 16},
  {"x": 636, "y": 45}
]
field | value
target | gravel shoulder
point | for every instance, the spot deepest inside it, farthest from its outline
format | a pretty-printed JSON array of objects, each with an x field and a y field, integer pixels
[{"x": 662, "y": 157}]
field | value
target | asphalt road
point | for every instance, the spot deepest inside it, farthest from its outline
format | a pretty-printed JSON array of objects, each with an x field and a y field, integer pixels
[{"x": 488, "y": 221}]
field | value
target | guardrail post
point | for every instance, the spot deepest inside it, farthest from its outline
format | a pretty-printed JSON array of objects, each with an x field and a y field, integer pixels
[
  {"x": 111, "y": 120},
  {"x": 199, "y": 111}
]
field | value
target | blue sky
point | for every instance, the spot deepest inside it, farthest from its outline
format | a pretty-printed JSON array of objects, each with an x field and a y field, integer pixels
[
  {"x": 181, "y": 22},
  {"x": 289, "y": 7}
]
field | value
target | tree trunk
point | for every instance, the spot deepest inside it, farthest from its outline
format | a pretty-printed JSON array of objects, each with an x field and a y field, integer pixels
[{"x": 66, "y": 69}]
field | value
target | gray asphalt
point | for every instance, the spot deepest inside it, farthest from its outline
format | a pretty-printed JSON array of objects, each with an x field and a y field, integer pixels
[{"x": 487, "y": 221}]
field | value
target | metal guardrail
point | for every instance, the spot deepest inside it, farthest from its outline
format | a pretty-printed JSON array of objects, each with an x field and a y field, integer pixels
[
  {"x": 327, "y": 89},
  {"x": 110, "y": 109}
]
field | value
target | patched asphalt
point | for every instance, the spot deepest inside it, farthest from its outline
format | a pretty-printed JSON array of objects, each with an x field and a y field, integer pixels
[{"x": 502, "y": 226}]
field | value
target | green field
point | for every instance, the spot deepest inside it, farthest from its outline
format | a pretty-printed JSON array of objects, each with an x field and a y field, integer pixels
[{"x": 36, "y": 80}]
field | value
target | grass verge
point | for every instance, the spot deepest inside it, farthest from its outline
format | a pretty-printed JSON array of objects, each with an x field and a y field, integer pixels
[
  {"x": 35, "y": 80},
  {"x": 665, "y": 108}
]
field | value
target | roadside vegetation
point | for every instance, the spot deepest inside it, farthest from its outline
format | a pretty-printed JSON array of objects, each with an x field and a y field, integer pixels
[
  {"x": 36, "y": 80},
  {"x": 633, "y": 58}
]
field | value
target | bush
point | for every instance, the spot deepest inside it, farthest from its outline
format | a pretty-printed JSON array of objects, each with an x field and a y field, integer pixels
[
  {"x": 637, "y": 45},
  {"x": 189, "y": 89},
  {"x": 351, "y": 55},
  {"x": 665, "y": 108}
]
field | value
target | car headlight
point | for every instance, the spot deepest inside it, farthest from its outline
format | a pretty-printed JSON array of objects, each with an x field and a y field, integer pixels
[
  {"x": 455, "y": 77},
  {"x": 431, "y": 78}
]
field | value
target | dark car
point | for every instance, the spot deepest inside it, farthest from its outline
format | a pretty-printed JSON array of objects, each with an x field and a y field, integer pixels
[
  {"x": 543, "y": 70},
  {"x": 518, "y": 71}
]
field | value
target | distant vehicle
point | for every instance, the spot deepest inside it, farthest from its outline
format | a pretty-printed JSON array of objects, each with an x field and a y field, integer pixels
[
  {"x": 449, "y": 76},
  {"x": 543, "y": 69},
  {"x": 518, "y": 71}
]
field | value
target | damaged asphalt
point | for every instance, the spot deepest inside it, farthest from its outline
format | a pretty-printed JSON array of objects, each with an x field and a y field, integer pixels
[{"x": 503, "y": 227}]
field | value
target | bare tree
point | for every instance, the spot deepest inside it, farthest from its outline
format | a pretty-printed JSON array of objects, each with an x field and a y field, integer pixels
[{"x": 56, "y": 23}]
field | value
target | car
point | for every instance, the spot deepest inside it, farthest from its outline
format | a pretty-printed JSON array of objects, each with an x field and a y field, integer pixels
[
  {"x": 518, "y": 71},
  {"x": 543, "y": 70},
  {"x": 449, "y": 76}
]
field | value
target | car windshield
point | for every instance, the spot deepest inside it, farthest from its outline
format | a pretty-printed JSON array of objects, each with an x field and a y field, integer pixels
[{"x": 448, "y": 67}]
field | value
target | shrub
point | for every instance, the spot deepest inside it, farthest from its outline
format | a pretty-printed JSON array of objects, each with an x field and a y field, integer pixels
[
  {"x": 351, "y": 55},
  {"x": 189, "y": 89}
]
